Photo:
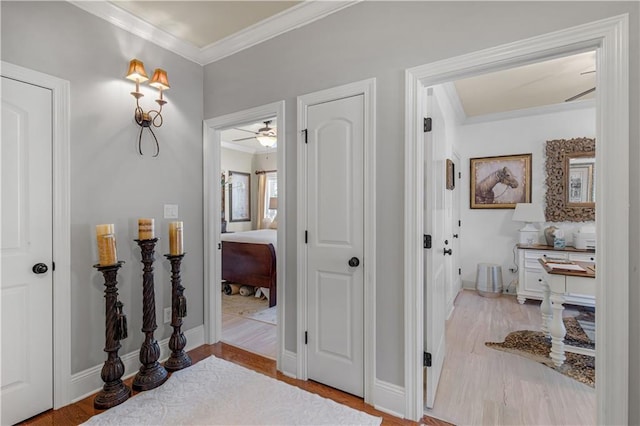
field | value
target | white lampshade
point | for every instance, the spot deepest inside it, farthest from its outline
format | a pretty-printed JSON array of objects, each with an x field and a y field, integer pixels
[
  {"x": 267, "y": 140},
  {"x": 528, "y": 212}
]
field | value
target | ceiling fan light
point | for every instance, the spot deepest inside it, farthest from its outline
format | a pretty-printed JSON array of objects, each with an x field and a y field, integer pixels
[{"x": 267, "y": 140}]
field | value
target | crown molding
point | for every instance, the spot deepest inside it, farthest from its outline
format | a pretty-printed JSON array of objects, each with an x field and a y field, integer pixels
[
  {"x": 128, "y": 22},
  {"x": 527, "y": 112},
  {"x": 287, "y": 20}
]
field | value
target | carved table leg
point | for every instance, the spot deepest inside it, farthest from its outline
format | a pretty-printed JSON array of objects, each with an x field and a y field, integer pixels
[
  {"x": 545, "y": 308},
  {"x": 152, "y": 374},
  {"x": 557, "y": 330},
  {"x": 179, "y": 359},
  {"x": 114, "y": 391}
]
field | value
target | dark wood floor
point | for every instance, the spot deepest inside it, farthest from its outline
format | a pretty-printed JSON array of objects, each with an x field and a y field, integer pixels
[{"x": 82, "y": 410}]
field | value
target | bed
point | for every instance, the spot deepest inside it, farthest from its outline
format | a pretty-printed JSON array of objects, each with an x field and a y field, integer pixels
[{"x": 249, "y": 258}]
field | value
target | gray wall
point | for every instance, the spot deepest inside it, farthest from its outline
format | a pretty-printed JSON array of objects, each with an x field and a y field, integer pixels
[
  {"x": 382, "y": 39},
  {"x": 110, "y": 181},
  {"x": 371, "y": 39}
]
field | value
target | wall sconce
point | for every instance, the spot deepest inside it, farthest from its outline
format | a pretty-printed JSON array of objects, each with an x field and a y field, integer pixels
[{"x": 153, "y": 117}]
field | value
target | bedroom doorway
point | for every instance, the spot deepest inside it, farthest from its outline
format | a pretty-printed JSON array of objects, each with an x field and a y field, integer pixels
[
  {"x": 244, "y": 229},
  {"x": 249, "y": 200},
  {"x": 612, "y": 228}
]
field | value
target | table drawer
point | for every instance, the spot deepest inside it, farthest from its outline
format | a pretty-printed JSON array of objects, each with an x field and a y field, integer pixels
[
  {"x": 580, "y": 285},
  {"x": 533, "y": 281},
  {"x": 583, "y": 257}
]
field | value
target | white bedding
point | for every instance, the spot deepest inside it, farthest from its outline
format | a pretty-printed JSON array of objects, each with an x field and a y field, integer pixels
[{"x": 258, "y": 236}]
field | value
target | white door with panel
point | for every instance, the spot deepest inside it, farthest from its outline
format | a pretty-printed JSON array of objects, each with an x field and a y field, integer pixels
[
  {"x": 335, "y": 243},
  {"x": 436, "y": 259},
  {"x": 27, "y": 283}
]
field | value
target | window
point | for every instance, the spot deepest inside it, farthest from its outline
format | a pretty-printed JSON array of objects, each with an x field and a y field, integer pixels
[{"x": 271, "y": 192}]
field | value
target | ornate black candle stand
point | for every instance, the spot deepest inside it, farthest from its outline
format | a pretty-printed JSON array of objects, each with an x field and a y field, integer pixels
[
  {"x": 179, "y": 359},
  {"x": 114, "y": 391},
  {"x": 152, "y": 374}
]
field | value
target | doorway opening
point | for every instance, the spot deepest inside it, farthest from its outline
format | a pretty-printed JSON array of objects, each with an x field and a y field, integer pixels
[
  {"x": 244, "y": 199},
  {"x": 608, "y": 38},
  {"x": 249, "y": 185},
  {"x": 509, "y": 122}
]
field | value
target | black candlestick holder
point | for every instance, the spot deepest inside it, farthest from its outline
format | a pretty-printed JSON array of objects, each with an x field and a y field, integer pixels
[
  {"x": 179, "y": 359},
  {"x": 152, "y": 374},
  {"x": 114, "y": 391}
]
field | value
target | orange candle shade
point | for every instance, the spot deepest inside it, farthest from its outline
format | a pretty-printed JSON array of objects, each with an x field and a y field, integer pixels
[
  {"x": 146, "y": 229},
  {"x": 175, "y": 238},
  {"x": 106, "y": 239}
]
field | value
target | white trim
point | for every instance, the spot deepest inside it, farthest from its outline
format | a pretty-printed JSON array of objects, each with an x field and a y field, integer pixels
[
  {"x": 289, "y": 364},
  {"x": 389, "y": 398},
  {"x": 528, "y": 112},
  {"x": 211, "y": 143},
  {"x": 454, "y": 100},
  {"x": 136, "y": 26},
  {"x": 462, "y": 119},
  {"x": 89, "y": 381},
  {"x": 368, "y": 89},
  {"x": 61, "y": 224},
  {"x": 610, "y": 39},
  {"x": 289, "y": 19}
]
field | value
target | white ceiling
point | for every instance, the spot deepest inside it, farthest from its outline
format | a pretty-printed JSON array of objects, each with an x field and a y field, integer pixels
[{"x": 209, "y": 30}]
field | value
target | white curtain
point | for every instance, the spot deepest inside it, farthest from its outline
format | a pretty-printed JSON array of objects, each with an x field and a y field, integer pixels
[{"x": 262, "y": 200}]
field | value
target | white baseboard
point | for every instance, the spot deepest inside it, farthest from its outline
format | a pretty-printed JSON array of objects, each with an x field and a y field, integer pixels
[
  {"x": 289, "y": 364},
  {"x": 88, "y": 382},
  {"x": 389, "y": 398}
]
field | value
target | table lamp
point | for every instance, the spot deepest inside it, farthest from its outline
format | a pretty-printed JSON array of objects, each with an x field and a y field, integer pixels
[{"x": 528, "y": 213}]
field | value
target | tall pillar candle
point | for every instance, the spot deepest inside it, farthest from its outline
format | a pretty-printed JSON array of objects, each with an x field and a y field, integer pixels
[
  {"x": 146, "y": 229},
  {"x": 175, "y": 238},
  {"x": 106, "y": 239}
]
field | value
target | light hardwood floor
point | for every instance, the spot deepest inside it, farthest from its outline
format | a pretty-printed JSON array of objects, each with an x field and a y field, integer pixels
[
  {"x": 251, "y": 335},
  {"x": 480, "y": 385}
]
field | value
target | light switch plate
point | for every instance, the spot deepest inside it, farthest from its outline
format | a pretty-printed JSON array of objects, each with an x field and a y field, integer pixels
[{"x": 170, "y": 211}]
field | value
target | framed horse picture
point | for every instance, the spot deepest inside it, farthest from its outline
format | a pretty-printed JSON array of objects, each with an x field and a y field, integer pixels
[{"x": 500, "y": 182}]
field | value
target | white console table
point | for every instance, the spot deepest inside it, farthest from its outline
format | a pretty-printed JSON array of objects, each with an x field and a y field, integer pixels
[
  {"x": 531, "y": 272},
  {"x": 557, "y": 283}
]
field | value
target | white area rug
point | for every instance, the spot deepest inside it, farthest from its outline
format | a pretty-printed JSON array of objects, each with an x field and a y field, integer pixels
[
  {"x": 215, "y": 391},
  {"x": 266, "y": 315}
]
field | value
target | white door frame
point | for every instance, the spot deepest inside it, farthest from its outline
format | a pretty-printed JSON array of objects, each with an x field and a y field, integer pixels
[
  {"x": 367, "y": 88},
  {"x": 610, "y": 38},
  {"x": 211, "y": 142},
  {"x": 61, "y": 224}
]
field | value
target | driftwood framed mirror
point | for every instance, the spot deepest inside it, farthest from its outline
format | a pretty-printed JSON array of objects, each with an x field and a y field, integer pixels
[{"x": 570, "y": 180}]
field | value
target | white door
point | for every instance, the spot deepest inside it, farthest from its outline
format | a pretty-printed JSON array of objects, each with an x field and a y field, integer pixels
[
  {"x": 335, "y": 311},
  {"x": 26, "y": 296},
  {"x": 435, "y": 273}
]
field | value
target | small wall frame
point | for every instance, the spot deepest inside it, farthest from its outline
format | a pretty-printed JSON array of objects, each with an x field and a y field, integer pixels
[{"x": 240, "y": 197}]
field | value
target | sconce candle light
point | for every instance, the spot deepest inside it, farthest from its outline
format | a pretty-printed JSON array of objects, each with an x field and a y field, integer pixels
[{"x": 153, "y": 117}]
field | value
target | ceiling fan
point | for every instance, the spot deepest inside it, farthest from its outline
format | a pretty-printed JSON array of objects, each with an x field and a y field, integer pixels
[
  {"x": 581, "y": 94},
  {"x": 265, "y": 135}
]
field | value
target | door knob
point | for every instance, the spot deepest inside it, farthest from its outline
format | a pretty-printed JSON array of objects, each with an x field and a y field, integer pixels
[
  {"x": 354, "y": 261},
  {"x": 39, "y": 268},
  {"x": 448, "y": 252},
  {"x": 455, "y": 236}
]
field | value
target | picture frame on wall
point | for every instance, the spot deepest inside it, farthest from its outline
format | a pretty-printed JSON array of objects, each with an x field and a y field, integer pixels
[
  {"x": 500, "y": 182},
  {"x": 451, "y": 175},
  {"x": 239, "y": 197}
]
